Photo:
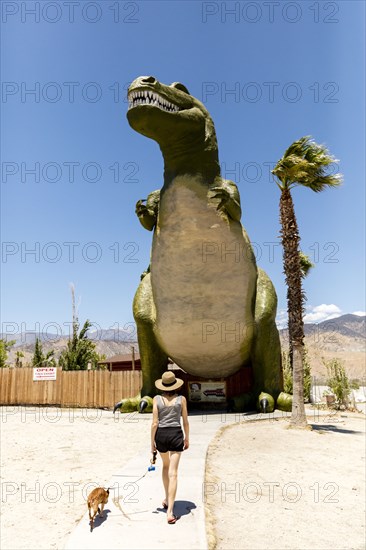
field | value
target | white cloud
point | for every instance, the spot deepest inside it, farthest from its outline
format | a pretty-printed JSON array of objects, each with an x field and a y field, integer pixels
[
  {"x": 315, "y": 314},
  {"x": 281, "y": 319},
  {"x": 324, "y": 312}
]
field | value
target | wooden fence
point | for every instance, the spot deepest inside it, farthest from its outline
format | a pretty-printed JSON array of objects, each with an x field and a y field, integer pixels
[{"x": 94, "y": 388}]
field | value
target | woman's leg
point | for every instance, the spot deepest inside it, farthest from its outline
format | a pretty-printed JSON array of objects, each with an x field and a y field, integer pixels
[
  {"x": 165, "y": 473},
  {"x": 173, "y": 481}
]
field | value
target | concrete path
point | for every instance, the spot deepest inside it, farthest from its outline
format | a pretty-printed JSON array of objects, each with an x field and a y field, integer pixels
[{"x": 134, "y": 517}]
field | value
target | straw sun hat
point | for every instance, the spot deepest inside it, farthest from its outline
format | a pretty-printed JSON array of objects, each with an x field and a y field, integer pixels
[{"x": 168, "y": 382}]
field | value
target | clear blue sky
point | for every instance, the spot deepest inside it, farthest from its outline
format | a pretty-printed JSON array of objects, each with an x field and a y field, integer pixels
[{"x": 293, "y": 69}]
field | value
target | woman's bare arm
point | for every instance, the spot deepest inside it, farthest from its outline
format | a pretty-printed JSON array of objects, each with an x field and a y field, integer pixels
[
  {"x": 154, "y": 425},
  {"x": 185, "y": 422}
]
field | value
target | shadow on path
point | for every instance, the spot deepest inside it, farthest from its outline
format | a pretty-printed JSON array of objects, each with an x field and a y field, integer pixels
[
  {"x": 98, "y": 521},
  {"x": 181, "y": 508},
  {"x": 332, "y": 428}
]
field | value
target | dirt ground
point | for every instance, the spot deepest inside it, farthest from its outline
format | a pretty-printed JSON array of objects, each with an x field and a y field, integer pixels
[
  {"x": 51, "y": 458},
  {"x": 266, "y": 487},
  {"x": 270, "y": 487}
]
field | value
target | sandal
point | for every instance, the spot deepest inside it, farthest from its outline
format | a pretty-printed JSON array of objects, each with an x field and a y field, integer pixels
[
  {"x": 164, "y": 504},
  {"x": 172, "y": 520}
]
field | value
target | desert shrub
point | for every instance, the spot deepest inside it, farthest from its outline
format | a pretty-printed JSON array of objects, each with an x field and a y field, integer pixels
[
  {"x": 4, "y": 348},
  {"x": 338, "y": 381},
  {"x": 287, "y": 372}
]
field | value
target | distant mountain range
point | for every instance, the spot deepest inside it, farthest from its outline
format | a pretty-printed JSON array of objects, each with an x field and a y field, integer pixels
[
  {"x": 343, "y": 337},
  {"x": 351, "y": 326},
  {"x": 108, "y": 342},
  {"x": 109, "y": 335}
]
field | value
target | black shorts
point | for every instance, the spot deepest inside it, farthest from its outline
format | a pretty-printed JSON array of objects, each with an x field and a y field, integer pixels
[{"x": 169, "y": 439}]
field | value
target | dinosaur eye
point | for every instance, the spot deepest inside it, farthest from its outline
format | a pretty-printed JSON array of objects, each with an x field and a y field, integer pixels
[{"x": 180, "y": 87}]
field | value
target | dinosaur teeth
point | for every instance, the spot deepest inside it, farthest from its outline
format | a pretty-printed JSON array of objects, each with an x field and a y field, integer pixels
[{"x": 147, "y": 97}]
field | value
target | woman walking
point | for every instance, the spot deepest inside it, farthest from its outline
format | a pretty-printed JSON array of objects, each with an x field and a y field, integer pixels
[{"x": 167, "y": 436}]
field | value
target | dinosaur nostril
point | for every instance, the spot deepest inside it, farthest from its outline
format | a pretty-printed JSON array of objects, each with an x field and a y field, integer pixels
[{"x": 149, "y": 79}]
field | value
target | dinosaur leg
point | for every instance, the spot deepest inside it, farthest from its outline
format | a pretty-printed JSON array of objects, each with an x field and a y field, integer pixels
[
  {"x": 154, "y": 360},
  {"x": 266, "y": 355}
]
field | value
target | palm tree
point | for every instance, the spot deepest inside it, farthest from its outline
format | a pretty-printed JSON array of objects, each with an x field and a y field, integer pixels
[
  {"x": 304, "y": 163},
  {"x": 305, "y": 265}
]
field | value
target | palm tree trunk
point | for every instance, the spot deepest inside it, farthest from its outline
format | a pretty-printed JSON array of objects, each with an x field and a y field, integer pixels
[
  {"x": 298, "y": 416},
  {"x": 295, "y": 303}
]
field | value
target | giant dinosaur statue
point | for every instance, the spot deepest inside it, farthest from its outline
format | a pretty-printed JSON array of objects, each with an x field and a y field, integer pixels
[{"x": 202, "y": 302}]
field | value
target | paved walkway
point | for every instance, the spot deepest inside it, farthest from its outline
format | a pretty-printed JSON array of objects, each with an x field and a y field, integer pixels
[{"x": 134, "y": 518}]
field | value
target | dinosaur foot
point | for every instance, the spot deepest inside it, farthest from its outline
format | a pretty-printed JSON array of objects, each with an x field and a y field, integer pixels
[
  {"x": 265, "y": 403},
  {"x": 137, "y": 403},
  {"x": 284, "y": 402}
]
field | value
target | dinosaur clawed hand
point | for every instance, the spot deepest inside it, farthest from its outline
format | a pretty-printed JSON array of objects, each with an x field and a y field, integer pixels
[
  {"x": 223, "y": 195},
  {"x": 141, "y": 208},
  {"x": 146, "y": 214}
]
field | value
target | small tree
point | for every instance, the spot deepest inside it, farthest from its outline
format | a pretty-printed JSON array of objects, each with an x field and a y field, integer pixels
[
  {"x": 4, "y": 348},
  {"x": 18, "y": 356},
  {"x": 39, "y": 358},
  {"x": 38, "y": 354},
  {"x": 338, "y": 382},
  {"x": 80, "y": 350}
]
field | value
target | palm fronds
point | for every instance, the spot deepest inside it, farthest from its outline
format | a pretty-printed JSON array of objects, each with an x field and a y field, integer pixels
[
  {"x": 305, "y": 162},
  {"x": 305, "y": 264}
]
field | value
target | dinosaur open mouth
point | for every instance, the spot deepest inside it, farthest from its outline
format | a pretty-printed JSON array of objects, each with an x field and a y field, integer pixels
[{"x": 147, "y": 97}]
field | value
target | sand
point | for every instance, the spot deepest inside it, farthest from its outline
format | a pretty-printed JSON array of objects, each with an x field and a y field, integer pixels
[
  {"x": 51, "y": 458},
  {"x": 266, "y": 486}
]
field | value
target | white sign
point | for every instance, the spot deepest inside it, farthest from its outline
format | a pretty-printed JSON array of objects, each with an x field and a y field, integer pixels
[
  {"x": 44, "y": 373},
  {"x": 207, "y": 391}
]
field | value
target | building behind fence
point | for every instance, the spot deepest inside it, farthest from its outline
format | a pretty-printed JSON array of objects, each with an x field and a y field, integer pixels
[{"x": 93, "y": 388}]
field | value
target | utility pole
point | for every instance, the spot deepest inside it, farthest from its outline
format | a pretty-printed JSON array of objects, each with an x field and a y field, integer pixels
[{"x": 133, "y": 357}]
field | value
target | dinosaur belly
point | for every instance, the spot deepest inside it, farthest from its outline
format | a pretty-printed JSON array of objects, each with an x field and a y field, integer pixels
[{"x": 203, "y": 281}]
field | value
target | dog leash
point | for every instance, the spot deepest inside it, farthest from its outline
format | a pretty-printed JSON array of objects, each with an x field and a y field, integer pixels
[{"x": 151, "y": 468}]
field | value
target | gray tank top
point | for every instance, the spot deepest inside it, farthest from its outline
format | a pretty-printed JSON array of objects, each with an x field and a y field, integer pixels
[{"x": 169, "y": 415}]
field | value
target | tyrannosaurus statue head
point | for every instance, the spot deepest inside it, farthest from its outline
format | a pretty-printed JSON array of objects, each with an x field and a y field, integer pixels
[{"x": 179, "y": 123}]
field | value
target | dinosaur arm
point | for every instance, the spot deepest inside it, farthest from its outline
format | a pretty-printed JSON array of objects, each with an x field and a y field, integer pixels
[
  {"x": 148, "y": 213},
  {"x": 233, "y": 207},
  {"x": 229, "y": 197}
]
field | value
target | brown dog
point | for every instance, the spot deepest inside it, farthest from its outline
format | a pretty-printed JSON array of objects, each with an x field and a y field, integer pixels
[{"x": 98, "y": 497}]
